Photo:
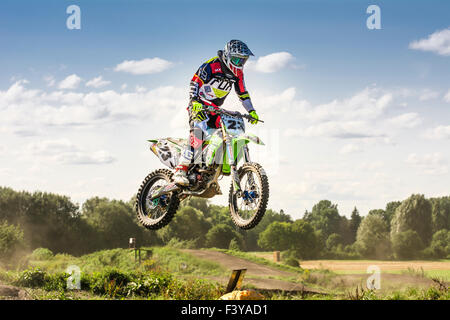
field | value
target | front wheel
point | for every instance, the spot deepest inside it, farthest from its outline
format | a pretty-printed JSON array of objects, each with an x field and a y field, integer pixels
[
  {"x": 249, "y": 206},
  {"x": 156, "y": 213}
]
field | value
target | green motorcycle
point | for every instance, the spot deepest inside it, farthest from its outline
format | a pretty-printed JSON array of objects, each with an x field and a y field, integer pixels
[{"x": 158, "y": 197}]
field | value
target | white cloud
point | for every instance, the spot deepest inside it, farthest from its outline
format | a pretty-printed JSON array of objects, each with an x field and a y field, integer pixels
[
  {"x": 50, "y": 80},
  {"x": 447, "y": 96},
  {"x": 145, "y": 66},
  {"x": 62, "y": 151},
  {"x": 433, "y": 163},
  {"x": 349, "y": 148},
  {"x": 406, "y": 120},
  {"x": 371, "y": 166},
  {"x": 97, "y": 82},
  {"x": 437, "y": 42},
  {"x": 270, "y": 63},
  {"x": 140, "y": 89},
  {"x": 428, "y": 94},
  {"x": 354, "y": 117},
  {"x": 365, "y": 105},
  {"x": 334, "y": 129},
  {"x": 440, "y": 132},
  {"x": 21, "y": 107},
  {"x": 71, "y": 82}
]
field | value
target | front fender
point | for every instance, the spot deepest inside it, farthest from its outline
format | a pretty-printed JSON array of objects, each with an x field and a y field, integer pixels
[{"x": 246, "y": 138}]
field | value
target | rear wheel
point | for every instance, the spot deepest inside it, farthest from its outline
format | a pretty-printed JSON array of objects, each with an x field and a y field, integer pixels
[
  {"x": 157, "y": 213},
  {"x": 248, "y": 208}
]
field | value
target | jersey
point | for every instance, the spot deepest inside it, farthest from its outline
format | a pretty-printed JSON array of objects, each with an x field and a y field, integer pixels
[{"x": 213, "y": 82}]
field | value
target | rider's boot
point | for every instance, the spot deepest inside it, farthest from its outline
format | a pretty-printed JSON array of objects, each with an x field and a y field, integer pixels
[{"x": 180, "y": 176}]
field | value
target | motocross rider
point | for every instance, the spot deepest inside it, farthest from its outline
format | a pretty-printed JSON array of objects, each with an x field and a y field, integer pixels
[{"x": 208, "y": 89}]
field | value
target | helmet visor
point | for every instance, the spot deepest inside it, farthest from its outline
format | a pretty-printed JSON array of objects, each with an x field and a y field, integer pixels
[{"x": 238, "y": 61}]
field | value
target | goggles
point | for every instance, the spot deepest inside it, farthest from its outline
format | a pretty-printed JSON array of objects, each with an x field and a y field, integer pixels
[{"x": 238, "y": 61}]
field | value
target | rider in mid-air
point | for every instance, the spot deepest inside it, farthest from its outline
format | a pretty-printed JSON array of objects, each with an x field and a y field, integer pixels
[{"x": 209, "y": 87}]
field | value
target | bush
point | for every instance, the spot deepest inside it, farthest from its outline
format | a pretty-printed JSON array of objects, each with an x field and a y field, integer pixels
[
  {"x": 110, "y": 282},
  {"x": 42, "y": 254},
  {"x": 407, "y": 244},
  {"x": 152, "y": 284},
  {"x": 183, "y": 244},
  {"x": 234, "y": 245},
  {"x": 193, "y": 290},
  {"x": 32, "y": 278},
  {"x": 293, "y": 262},
  {"x": 56, "y": 281},
  {"x": 290, "y": 258}
]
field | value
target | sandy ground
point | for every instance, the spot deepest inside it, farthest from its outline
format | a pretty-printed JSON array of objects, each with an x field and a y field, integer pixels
[
  {"x": 362, "y": 265},
  {"x": 336, "y": 265}
]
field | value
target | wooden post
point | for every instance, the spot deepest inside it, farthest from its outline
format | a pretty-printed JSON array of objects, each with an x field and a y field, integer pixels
[{"x": 276, "y": 256}]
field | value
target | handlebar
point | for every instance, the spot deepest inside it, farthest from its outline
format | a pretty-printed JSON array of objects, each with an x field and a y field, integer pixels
[{"x": 230, "y": 113}]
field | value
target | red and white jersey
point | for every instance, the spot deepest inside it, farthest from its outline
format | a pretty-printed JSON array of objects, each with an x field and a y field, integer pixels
[{"x": 213, "y": 81}]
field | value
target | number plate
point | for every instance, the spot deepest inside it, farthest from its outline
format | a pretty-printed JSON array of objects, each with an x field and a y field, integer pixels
[{"x": 234, "y": 125}]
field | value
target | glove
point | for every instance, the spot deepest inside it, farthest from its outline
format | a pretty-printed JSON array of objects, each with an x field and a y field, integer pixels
[
  {"x": 196, "y": 107},
  {"x": 197, "y": 111},
  {"x": 254, "y": 116}
]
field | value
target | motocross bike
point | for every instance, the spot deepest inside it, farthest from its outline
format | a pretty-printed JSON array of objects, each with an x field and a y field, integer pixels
[{"x": 158, "y": 197}]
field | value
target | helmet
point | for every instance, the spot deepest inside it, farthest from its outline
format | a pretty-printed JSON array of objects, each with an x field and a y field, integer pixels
[{"x": 235, "y": 55}]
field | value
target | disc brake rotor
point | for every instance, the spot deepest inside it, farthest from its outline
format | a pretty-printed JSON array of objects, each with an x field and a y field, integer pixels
[{"x": 152, "y": 204}]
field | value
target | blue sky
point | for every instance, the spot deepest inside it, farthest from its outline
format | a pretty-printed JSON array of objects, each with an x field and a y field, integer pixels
[{"x": 335, "y": 72}]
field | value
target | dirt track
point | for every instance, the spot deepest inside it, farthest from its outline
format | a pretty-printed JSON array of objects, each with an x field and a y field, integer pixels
[{"x": 257, "y": 275}]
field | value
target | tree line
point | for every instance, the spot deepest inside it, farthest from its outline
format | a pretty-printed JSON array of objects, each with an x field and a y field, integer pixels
[{"x": 414, "y": 228}]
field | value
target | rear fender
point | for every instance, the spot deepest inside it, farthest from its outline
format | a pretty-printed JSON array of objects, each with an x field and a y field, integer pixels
[{"x": 168, "y": 150}]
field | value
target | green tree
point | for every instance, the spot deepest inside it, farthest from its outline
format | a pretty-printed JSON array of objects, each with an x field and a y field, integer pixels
[
  {"x": 355, "y": 221},
  {"x": 407, "y": 244},
  {"x": 333, "y": 241},
  {"x": 304, "y": 240},
  {"x": 220, "y": 236},
  {"x": 113, "y": 222},
  {"x": 381, "y": 212},
  {"x": 372, "y": 238},
  {"x": 49, "y": 220},
  {"x": 200, "y": 204},
  {"x": 278, "y": 236},
  {"x": 440, "y": 245},
  {"x": 11, "y": 240},
  {"x": 251, "y": 236},
  {"x": 414, "y": 214},
  {"x": 188, "y": 224},
  {"x": 440, "y": 213},
  {"x": 390, "y": 211},
  {"x": 325, "y": 217}
]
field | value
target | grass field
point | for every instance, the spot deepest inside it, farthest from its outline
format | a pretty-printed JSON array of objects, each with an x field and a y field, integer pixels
[{"x": 437, "y": 268}]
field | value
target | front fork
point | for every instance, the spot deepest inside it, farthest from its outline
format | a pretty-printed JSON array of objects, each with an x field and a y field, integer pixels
[
  {"x": 230, "y": 157},
  {"x": 234, "y": 175}
]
